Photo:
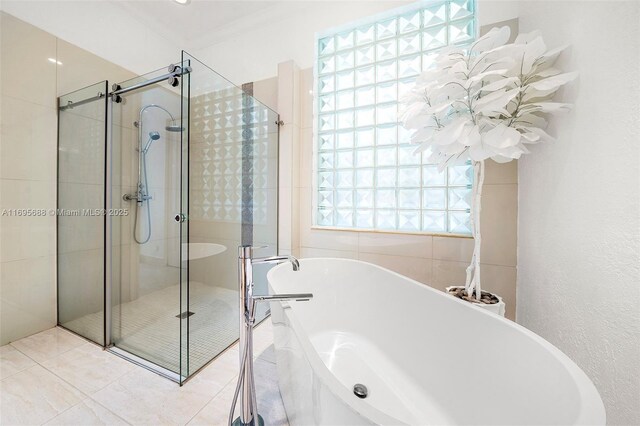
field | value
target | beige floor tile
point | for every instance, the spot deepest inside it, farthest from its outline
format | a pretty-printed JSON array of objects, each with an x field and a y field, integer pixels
[
  {"x": 87, "y": 413},
  {"x": 270, "y": 404},
  {"x": 216, "y": 412},
  {"x": 48, "y": 344},
  {"x": 13, "y": 361},
  {"x": 88, "y": 367},
  {"x": 262, "y": 337},
  {"x": 222, "y": 370},
  {"x": 144, "y": 398},
  {"x": 35, "y": 396},
  {"x": 268, "y": 354}
]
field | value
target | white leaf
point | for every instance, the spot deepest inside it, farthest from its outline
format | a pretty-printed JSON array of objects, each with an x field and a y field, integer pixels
[
  {"x": 418, "y": 121},
  {"x": 549, "y": 58},
  {"x": 549, "y": 72},
  {"x": 495, "y": 102},
  {"x": 501, "y": 137},
  {"x": 500, "y": 159},
  {"x": 530, "y": 137},
  {"x": 533, "y": 50},
  {"x": 506, "y": 53},
  {"x": 423, "y": 147},
  {"x": 479, "y": 153},
  {"x": 553, "y": 83},
  {"x": 525, "y": 38},
  {"x": 439, "y": 108},
  {"x": 479, "y": 77},
  {"x": 470, "y": 135},
  {"x": 510, "y": 153},
  {"x": 452, "y": 88},
  {"x": 540, "y": 134},
  {"x": 494, "y": 38},
  {"x": 499, "y": 84},
  {"x": 450, "y": 133},
  {"x": 531, "y": 96},
  {"x": 532, "y": 120},
  {"x": 459, "y": 67},
  {"x": 423, "y": 136},
  {"x": 548, "y": 107}
]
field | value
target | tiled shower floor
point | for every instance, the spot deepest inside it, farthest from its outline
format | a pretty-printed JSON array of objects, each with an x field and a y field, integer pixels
[
  {"x": 148, "y": 327},
  {"x": 56, "y": 377}
]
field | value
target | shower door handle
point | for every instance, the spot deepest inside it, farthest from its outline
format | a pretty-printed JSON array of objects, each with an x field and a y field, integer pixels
[{"x": 180, "y": 218}]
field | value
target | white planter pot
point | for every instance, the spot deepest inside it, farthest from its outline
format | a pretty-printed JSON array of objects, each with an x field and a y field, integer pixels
[{"x": 496, "y": 308}]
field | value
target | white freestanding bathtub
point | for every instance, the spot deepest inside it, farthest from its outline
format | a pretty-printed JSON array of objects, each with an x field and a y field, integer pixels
[{"x": 425, "y": 357}]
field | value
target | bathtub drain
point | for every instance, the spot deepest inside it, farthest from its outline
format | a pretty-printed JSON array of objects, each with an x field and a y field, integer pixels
[{"x": 360, "y": 390}]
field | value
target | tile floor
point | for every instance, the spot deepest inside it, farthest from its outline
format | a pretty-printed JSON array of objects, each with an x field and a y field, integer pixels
[{"x": 58, "y": 378}]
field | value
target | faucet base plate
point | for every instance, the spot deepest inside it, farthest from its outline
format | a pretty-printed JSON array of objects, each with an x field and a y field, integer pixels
[{"x": 238, "y": 422}]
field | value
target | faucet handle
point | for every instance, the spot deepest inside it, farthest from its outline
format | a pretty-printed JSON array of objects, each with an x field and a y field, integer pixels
[
  {"x": 300, "y": 297},
  {"x": 246, "y": 251}
]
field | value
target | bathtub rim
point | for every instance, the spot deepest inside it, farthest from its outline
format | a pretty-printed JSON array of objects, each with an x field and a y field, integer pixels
[{"x": 590, "y": 411}]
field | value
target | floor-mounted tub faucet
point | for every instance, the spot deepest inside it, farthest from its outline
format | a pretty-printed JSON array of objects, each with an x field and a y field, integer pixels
[{"x": 246, "y": 388}]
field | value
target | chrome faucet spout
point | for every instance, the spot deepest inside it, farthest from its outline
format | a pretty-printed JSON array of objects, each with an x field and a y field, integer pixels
[{"x": 278, "y": 259}]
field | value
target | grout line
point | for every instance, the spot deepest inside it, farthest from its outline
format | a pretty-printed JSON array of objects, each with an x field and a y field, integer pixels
[
  {"x": 52, "y": 107},
  {"x": 212, "y": 398},
  {"x": 88, "y": 396},
  {"x": 109, "y": 410},
  {"x": 4, "y": 262},
  {"x": 359, "y": 251}
]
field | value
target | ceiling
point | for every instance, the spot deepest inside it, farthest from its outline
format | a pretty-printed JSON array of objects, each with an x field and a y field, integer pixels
[{"x": 204, "y": 22}]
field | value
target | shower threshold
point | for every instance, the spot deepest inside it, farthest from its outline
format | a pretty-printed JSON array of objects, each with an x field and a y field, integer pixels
[{"x": 164, "y": 372}]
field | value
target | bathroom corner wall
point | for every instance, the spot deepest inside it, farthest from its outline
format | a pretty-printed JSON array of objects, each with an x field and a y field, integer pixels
[
  {"x": 29, "y": 86},
  {"x": 289, "y": 89},
  {"x": 579, "y": 219},
  {"x": 27, "y": 179}
]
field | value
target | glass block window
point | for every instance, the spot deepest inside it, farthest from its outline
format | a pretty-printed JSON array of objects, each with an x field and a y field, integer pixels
[{"x": 367, "y": 175}]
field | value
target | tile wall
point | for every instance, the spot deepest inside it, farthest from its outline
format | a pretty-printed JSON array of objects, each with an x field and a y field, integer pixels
[{"x": 36, "y": 68}]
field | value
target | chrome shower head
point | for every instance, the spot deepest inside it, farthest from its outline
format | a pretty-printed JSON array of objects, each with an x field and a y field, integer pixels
[
  {"x": 153, "y": 136},
  {"x": 174, "y": 128}
]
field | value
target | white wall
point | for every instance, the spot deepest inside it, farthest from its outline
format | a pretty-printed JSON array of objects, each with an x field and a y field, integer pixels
[
  {"x": 254, "y": 55},
  {"x": 102, "y": 28},
  {"x": 109, "y": 31},
  {"x": 30, "y": 84},
  {"x": 579, "y": 212}
]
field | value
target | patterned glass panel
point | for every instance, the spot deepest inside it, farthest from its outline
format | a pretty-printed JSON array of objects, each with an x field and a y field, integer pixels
[
  {"x": 368, "y": 174},
  {"x": 221, "y": 120}
]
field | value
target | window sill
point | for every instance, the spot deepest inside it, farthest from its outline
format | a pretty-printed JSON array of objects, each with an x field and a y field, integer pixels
[{"x": 378, "y": 231}]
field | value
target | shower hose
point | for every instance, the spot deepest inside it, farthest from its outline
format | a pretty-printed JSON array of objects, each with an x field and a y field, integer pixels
[
  {"x": 248, "y": 342},
  {"x": 143, "y": 194}
]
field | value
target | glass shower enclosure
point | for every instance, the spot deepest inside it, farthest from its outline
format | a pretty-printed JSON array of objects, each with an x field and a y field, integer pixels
[{"x": 160, "y": 179}]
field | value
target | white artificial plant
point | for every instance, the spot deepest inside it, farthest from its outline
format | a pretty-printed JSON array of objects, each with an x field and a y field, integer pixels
[{"x": 486, "y": 100}]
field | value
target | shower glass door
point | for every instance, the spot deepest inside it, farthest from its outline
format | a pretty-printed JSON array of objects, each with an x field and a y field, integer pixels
[
  {"x": 187, "y": 173},
  {"x": 146, "y": 272},
  {"x": 82, "y": 144},
  {"x": 232, "y": 201}
]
